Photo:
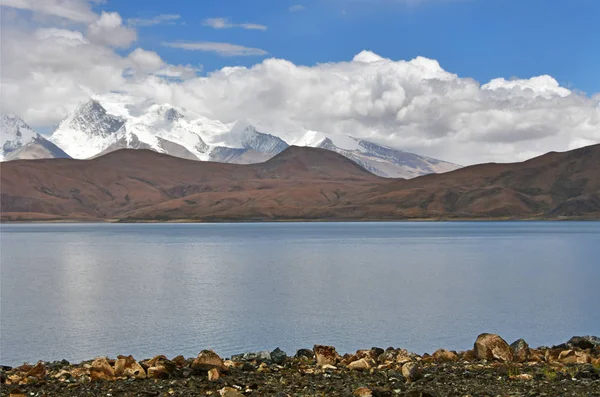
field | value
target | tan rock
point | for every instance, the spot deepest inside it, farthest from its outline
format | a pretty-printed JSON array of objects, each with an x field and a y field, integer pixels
[
  {"x": 443, "y": 356},
  {"x": 402, "y": 359},
  {"x": 38, "y": 371},
  {"x": 213, "y": 374},
  {"x": 411, "y": 371},
  {"x": 325, "y": 355},
  {"x": 179, "y": 361},
  {"x": 13, "y": 379},
  {"x": 468, "y": 355},
  {"x": 522, "y": 377},
  {"x": 128, "y": 367},
  {"x": 207, "y": 360},
  {"x": 230, "y": 392},
  {"x": 492, "y": 347},
  {"x": 229, "y": 364},
  {"x": 574, "y": 357},
  {"x": 329, "y": 366},
  {"x": 363, "y": 392},
  {"x": 101, "y": 370},
  {"x": 361, "y": 365},
  {"x": 159, "y": 372},
  {"x": 551, "y": 355}
]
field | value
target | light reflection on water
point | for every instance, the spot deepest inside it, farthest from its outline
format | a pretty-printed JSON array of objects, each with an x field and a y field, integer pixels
[{"x": 77, "y": 291}]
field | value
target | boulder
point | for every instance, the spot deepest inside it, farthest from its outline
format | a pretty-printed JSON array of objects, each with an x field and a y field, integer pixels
[
  {"x": 492, "y": 347},
  {"x": 213, "y": 374},
  {"x": 326, "y": 355},
  {"x": 263, "y": 356},
  {"x": 230, "y": 392},
  {"x": 305, "y": 353},
  {"x": 37, "y": 371},
  {"x": 160, "y": 367},
  {"x": 520, "y": 350},
  {"x": 584, "y": 342},
  {"x": 574, "y": 357},
  {"x": 412, "y": 371},
  {"x": 101, "y": 370},
  {"x": 278, "y": 356},
  {"x": 363, "y": 392},
  {"x": 128, "y": 367},
  {"x": 444, "y": 356},
  {"x": 207, "y": 360},
  {"x": 361, "y": 364}
]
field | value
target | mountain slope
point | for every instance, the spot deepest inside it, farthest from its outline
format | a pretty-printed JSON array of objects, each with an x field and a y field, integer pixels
[
  {"x": 378, "y": 159},
  {"x": 19, "y": 141},
  {"x": 14, "y": 133},
  {"x": 299, "y": 183},
  {"x": 38, "y": 148}
]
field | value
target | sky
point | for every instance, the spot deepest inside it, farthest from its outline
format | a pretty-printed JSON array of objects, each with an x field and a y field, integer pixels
[{"x": 462, "y": 80}]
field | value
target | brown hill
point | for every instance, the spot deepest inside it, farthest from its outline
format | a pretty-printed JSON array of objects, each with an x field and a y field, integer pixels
[{"x": 299, "y": 183}]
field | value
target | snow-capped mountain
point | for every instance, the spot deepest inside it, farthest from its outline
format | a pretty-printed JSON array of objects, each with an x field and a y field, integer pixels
[
  {"x": 379, "y": 159},
  {"x": 21, "y": 142},
  {"x": 243, "y": 144},
  {"x": 14, "y": 133},
  {"x": 115, "y": 121},
  {"x": 91, "y": 130}
]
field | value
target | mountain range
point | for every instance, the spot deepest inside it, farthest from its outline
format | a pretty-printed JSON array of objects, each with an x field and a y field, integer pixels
[
  {"x": 112, "y": 122},
  {"x": 300, "y": 183}
]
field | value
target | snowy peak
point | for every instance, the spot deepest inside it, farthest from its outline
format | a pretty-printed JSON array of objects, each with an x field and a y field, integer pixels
[
  {"x": 14, "y": 133},
  {"x": 92, "y": 119}
]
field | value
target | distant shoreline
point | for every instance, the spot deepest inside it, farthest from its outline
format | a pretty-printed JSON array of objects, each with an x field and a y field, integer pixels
[{"x": 217, "y": 221}]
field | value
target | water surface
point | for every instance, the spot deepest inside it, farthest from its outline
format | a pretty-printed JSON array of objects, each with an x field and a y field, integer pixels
[{"x": 77, "y": 291}]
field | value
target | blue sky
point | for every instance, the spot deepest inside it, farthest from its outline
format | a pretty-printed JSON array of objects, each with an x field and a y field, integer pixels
[{"x": 482, "y": 39}]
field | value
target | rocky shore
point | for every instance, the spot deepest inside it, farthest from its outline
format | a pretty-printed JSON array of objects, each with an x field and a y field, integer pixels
[{"x": 491, "y": 368}]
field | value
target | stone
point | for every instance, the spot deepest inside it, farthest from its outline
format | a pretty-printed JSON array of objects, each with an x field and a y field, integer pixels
[
  {"x": 444, "y": 356},
  {"x": 278, "y": 356},
  {"x": 492, "y": 347},
  {"x": 207, "y": 360},
  {"x": 179, "y": 361},
  {"x": 584, "y": 342},
  {"x": 213, "y": 374},
  {"x": 522, "y": 377},
  {"x": 361, "y": 364},
  {"x": 325, "y": 355},
  {"x": 412, "y": 371},
  {"x": 160, "y": 367},
  {"x": 128, "y": 367},
  {"x": 329, "y": 366},
  {"x": 363, "y": 392},
  {"x": 574, "y": 357},
  {"x": 101, "y": 370},
  {"x": 230, "y": 392},
  {"x": 38, "y": 371},
  {"x": 305, "y": 353},
  {"x": 520, "y": 350}
]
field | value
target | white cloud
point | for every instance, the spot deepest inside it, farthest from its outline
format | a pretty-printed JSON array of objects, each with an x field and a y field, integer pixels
[
  {"x": 297, "y": 7},
  {"x": 414, "y": 105},
  {"x": 225, "y": 49},
  {"x": 157, "y": 20},
  {"x": 224, "y": 23},
  {"x": 109, "y": 30},
  {"x": 75, "y": 10}
]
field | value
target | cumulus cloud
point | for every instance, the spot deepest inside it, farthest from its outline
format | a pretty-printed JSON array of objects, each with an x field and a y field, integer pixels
[
  {"x": 157, "y": 20},
  {"x": 415, "y": 105},
  {"x": 224, "y": 23},
  {"x": 224, "y": 49},
  {"x": 109, "y": 30}
]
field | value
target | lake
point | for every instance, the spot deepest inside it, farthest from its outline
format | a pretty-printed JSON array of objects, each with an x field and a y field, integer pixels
[{"x": 78, "y": 291}]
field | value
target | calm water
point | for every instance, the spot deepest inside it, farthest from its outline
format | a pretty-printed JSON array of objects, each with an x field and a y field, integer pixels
[{"x": 80, "y": 291}]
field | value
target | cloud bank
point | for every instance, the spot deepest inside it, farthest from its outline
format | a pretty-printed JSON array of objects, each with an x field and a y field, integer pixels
[{"x": 414, "y": 105}]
